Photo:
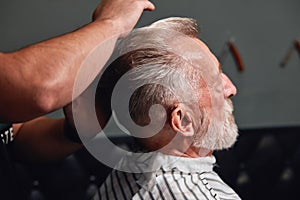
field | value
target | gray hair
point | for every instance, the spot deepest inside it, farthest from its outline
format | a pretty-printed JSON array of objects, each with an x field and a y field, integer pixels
[
  {"x": 148, "y": 57},
  {"x": 186, "y": 26}
]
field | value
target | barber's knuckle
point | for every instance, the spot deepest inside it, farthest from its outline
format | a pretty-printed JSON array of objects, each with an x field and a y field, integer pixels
[
  {"x": 139, "y": 3},
  {"x": 136, "y": 3}
]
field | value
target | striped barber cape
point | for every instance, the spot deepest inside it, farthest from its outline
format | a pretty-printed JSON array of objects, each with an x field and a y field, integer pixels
[{"x": 159, "y": 176}]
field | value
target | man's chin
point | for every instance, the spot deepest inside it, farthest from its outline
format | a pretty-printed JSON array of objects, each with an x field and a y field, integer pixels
[{"x": 228, "y": 139}]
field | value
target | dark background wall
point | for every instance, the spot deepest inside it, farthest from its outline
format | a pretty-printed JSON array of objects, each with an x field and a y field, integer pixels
[{"x": 263, "y": 31}]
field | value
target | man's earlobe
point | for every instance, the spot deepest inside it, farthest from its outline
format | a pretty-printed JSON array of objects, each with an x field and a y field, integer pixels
[{"x": 181, "y": 122}]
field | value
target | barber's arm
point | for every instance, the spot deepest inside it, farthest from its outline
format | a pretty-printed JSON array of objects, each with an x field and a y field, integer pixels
[
  {"x": 45, "y": 139},
  {"x": 42, "y": 140},
  {"x": 39, "y": 79}
]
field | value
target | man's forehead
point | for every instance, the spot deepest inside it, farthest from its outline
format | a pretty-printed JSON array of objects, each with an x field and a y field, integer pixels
[{"x": 205, "y": 48}]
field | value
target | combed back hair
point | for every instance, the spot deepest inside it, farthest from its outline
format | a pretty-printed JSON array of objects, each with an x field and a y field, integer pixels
[
  {"x": 149, "y": 61},
  {"x": 186, "y": 26},
  {"x": 159, "y": 34}
]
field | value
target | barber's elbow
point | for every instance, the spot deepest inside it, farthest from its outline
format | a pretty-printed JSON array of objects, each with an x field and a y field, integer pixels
[
  {"x": 49, "y": 97},
  {"x": 51, "y": 93},
  {"x": 45, "y": 101}
]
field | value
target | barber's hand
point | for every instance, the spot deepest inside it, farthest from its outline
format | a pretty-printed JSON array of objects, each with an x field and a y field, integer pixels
[
  {"x": 68, "y": 112},
  {"x": 124, "y": 14},
  {"x": 83, "y": 109}
]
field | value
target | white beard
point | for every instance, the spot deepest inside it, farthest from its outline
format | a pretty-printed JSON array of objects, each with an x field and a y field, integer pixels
[{"x": 217, "y": 139}]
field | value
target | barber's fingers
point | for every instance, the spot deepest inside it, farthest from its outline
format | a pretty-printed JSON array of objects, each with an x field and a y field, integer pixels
[
  {"x": 123, "y": 14},
  {"x": 111, "y": 9}
]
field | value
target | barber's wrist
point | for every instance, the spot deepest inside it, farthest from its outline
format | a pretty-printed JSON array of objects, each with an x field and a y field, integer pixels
[{"x": 111, "y": 27}]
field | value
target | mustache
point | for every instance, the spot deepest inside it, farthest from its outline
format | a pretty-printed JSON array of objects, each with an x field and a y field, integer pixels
[{"x": 228, "y": 105}]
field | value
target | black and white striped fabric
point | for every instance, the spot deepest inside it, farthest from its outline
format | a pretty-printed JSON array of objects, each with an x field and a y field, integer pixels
[{"x": 172, "y": 178}]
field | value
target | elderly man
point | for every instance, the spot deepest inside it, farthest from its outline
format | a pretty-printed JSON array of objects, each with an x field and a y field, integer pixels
[{"x": 179, "y": 112}]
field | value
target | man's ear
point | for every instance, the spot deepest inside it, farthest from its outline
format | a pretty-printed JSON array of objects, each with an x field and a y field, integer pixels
[{"x": 181, "y": 121}]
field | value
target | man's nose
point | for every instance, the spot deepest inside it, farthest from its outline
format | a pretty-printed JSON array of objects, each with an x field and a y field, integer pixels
[{"x": 229, "y": 89}]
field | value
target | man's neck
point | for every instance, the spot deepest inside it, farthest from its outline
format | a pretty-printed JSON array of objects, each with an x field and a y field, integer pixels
[
  {"x": 177, "y": 146},
  {"x": 191, "y": 152}
]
